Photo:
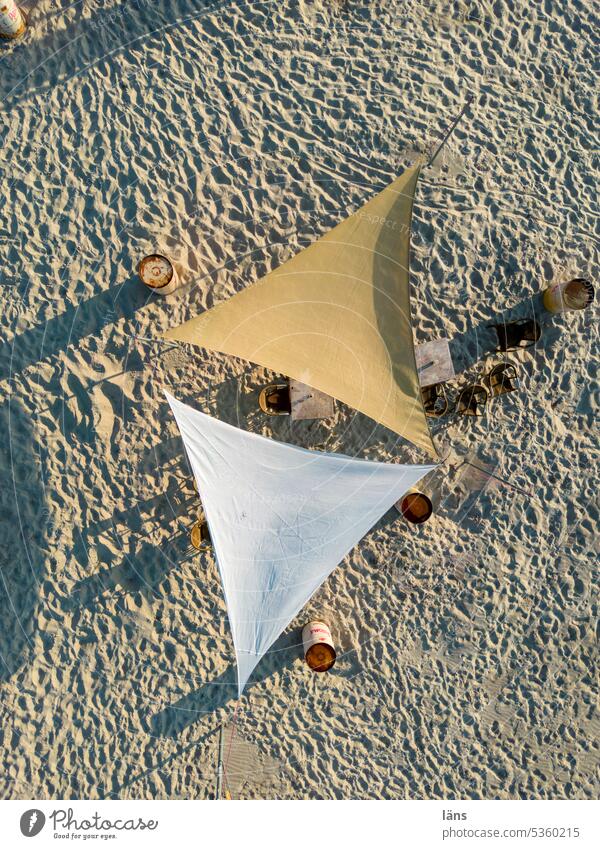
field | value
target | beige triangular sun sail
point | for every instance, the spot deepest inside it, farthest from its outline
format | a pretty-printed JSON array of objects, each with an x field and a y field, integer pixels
[{"x": 336, "y": 316}]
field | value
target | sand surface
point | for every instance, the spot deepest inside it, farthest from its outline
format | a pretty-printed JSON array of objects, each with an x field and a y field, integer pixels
[{"x": 228, "y": 136}]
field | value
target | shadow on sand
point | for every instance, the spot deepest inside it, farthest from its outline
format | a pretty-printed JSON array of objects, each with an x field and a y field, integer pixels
[
  {"x": 467, "y": 348},
  {"x": 45, "y": 61},
  {"x": 71, "y": 326},
  {"x": 142, "y": 568},
  {"x": 222, "y": 690},
  {"x": 130, "y": 562},
  {"x": 23, "y": 513},
  {"x": 175, "y": 759}
]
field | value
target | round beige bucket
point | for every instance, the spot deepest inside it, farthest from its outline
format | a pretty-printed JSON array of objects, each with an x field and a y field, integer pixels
[
  {"x": 158, "y": 273},
  {"x": 12, "y": 20},
  {"x": 416, "y": 507},
  {"x": 319, "y": 652},
  {"x": 577, "y": 294}
]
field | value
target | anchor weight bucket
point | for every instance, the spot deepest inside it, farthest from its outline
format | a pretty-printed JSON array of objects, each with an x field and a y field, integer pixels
[
  {"x": 577, "y": 294},
  {"x": 12, "y": 20},
  {"x": 319, "y": 652},
  {"x": 416, "y": 507},
  {"x": 158, "y": 273}
]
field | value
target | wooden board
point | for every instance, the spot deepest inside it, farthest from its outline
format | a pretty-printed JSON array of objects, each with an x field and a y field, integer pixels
[
  {"x": 434, "y": 362},
  {"x": 309, "y": 403}
]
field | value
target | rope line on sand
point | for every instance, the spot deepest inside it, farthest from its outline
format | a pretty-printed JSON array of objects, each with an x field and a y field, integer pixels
[
  {"x": 502, "y": 480},
  {"x": 451, "y": 128},
  {"x": 233, "y": 724}
]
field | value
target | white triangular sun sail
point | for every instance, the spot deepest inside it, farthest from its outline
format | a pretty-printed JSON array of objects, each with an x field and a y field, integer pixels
[{"x": 281, "y": 518}]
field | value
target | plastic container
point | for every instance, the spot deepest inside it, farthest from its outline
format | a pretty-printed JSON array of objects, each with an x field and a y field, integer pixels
[
  {"x": 158, "y": 273},
  {"x": 12, "y": 20},
  {"x": 577, "y": 294},
  {"x": 416, "y": 507},
  {"x": 319, "y": 652}
]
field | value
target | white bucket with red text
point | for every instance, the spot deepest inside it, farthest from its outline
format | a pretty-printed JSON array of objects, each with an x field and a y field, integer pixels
[
  {"x": 12, "y": 20},
  {"x": 317, "y": 642}
]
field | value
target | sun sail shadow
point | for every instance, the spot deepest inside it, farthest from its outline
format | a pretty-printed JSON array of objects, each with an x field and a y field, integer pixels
[
  {"x": 24, "y": 513},
  {"x": 172, "y": 720}
]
